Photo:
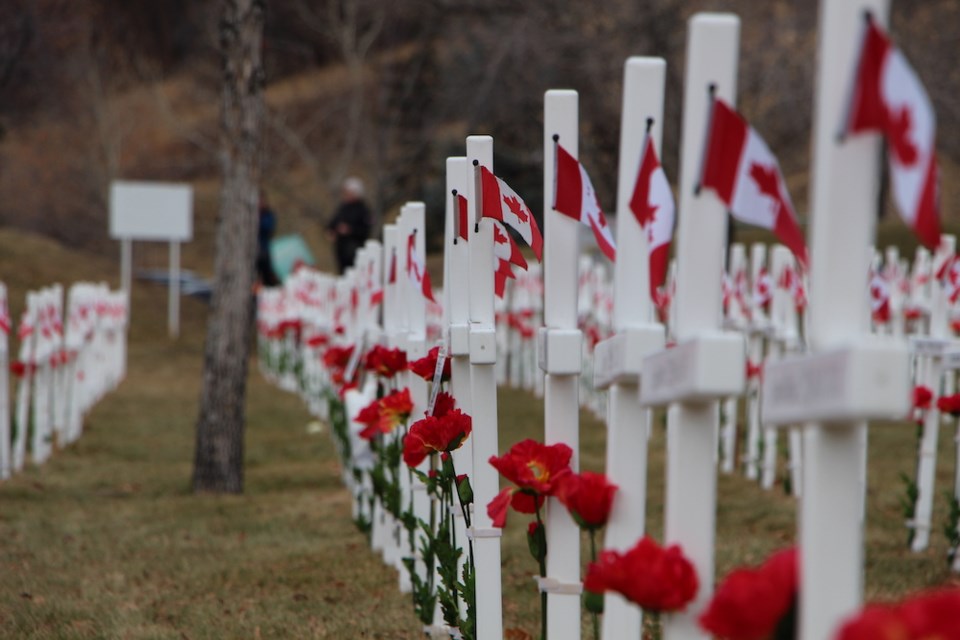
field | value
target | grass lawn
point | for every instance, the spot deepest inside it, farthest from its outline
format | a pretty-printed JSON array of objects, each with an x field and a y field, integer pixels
[{"x": 106, "y": 541}]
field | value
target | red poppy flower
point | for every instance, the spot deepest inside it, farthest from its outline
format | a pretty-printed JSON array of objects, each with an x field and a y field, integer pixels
[
  {"x": 535, "y": 466},
  {"x": 369, "y": 416},
  {"x": 289, "y": 325},
  {"x": 337, "y": 357},
  {"x": 433, "y": 434},
  {"x": 949, "y": 404},
  {"x": 928, "y": 616},
  {"x": 394, "y": 409},
  {"x": 426, "y": 366},
  {"x": 589, "y": 497},
  {"x": 20, "y": 368},
  {"x": 385, "y": 362},
  {"x": 922, "y": 397},
  {"x": 521, "y": 501},
  {"x": 443, "y": 405},
  {"x": 913, "y": 313},
  {"x": 657, "y": 579},
  {"x": 751, "y": 602},
  {"x": 318, "y": 340}
]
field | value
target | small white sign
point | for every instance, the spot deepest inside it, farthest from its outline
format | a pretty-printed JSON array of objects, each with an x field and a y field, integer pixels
[{"x": 160, "y": 211}]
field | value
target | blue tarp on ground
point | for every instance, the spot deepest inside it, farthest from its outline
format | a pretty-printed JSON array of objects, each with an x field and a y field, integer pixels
[{"x": 288, "y": 251}]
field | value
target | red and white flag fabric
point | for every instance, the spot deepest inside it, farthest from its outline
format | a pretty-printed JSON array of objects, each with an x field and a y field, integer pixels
[
  {"x": 500, "y": 202},
  {"x": 391, "y": 274},
  {"x": 792, "y": 281},
  {"x": 879, "y": 299},
  {"x": 574, "y": 196},
  {"x": 888, "y": 98},
  {"x": 503, "y": 273},
  {"x": 652, "y": 204},
  {"x": 745, "y": 175},
  {"x": 417, "y": 270},
  {"x": 763, "y": 290},
  {"x": 460, "y": 216},
  {"x": 505, "y": 249}
]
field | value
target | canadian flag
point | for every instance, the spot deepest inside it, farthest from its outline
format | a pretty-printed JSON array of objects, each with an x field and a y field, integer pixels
[
  {"x": 460, "y": 216},
  {"x": 889, "y": 98},
  {"x": 391, "y": 274},
  {"x": 879, "y": 299},
  {"x": 500, "y": 202},
  {"x": 503, "y": 273},
  {"x": 745, "y": 175},
  {"x": 417, "y": 270},
  {"x": 652, "y": 204},
  {"x": 505, "y": 249},
  {"x": 763, "y": 290},
  {"x": 573, "y": 196},
  {"x": 792, "y": 281}
]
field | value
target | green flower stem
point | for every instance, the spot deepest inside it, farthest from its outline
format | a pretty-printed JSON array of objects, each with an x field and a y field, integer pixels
[
  {"x": 593, "y": 558},
  {"x": 543, "y": 594}
]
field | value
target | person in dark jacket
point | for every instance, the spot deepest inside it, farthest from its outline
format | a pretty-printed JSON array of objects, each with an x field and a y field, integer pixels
[
  {"x": 350, "y": 226},
  {"x": 265, "y": 230}
]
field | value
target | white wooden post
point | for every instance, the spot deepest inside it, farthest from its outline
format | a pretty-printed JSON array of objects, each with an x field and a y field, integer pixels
[
  {"x": 4, "y": 387},
  {"x": 416, "y": 304},
  {"x": 559, "y": 344},
  {"x": 456, "y": 283},
  {"x": 618, "y": 360},
  {"x": 754, "y": 355},
  {"x": 483, "y": 381},
  {"x": 786, "y": 340},
  {"x": 930, "y": 373},
  {"x": 706, "y": 364},
  {"x": 850, "y": 378},
  {"x": 173, "y": 304}
]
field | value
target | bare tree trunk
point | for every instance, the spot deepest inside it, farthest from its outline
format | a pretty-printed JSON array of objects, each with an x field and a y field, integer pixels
[{"x": 218, "y": 465}]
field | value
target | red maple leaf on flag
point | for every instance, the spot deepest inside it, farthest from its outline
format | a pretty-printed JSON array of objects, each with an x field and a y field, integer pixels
[
  {"x": 602, "y": 218},
  {"x": 900, "y": 124},
  {"x": 498, "y": 236},
  {"x": 517, "y": 208},
  {"x": 768, "y": 183}
]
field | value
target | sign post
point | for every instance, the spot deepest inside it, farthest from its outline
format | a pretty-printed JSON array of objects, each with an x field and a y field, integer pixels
[{"x": 152, "y": 211}]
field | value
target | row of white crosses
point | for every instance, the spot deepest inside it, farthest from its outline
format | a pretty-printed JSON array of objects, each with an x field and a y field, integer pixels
[
  {"x": 827, "y": 395},
  {"x": 66, "y": 364}
]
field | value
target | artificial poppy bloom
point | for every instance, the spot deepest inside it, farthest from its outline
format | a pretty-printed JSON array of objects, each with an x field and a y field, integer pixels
[
  {"x": 318, "y": 340},
  {"x": 289, "y": 326},
  {"x": 534, "y": 466},
  {"x": 922, "y": 397},
  {"x": 444, "y": 404},
  {"x": 657, "y": 579},
  {"x": 589, "y": 497},
  {"x": 386, "y": 363},
  {"x": 20, "y": 368},
  {"x": 337, "y": 357},
  {"x": 435, "y": 435},
  {"x": 929, "y": 616},
  {"x": 369, "y": 416},
  {"x": 751, "y": 603},
  {"x": 521, "y": 501},
  {"x": 427, "y": 365},
  {"x": 949, "y": 404},
  {"x": 394, "y": 409}
]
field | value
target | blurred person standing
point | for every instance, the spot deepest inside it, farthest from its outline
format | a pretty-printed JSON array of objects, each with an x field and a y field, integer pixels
[
  {"x": 351, "y": 223},
  {"x": 266, "y": 228}
]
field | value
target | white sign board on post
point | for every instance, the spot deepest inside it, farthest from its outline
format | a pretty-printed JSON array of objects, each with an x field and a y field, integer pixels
[{"x": 156, "y": 212}]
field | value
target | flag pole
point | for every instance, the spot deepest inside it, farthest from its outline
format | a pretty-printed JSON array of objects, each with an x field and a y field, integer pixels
[
  {"x": 556, "y": 143},
  {"x": 478, "y": 194},
  {"x": 711, "y": 98},
  {"x": 456, "y": 217}
]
